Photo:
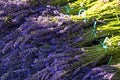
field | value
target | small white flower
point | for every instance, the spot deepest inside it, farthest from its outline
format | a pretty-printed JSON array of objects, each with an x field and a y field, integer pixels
[{"x": 118, "y": 43}]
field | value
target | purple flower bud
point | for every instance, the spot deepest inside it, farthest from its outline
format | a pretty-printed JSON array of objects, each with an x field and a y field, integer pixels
[{"x": 7, "y": 46}]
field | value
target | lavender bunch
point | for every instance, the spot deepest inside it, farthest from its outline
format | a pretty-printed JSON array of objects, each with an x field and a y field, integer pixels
[
  {"x": 101, "y": 73},
  {"x": 39, "y": 44}
]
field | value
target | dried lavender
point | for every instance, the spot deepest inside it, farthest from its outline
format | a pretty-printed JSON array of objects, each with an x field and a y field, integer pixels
[{"x": 35, "y": 44}]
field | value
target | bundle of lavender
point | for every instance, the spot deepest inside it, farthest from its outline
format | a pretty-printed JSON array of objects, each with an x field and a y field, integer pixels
[{"x": 44, "y": 44}]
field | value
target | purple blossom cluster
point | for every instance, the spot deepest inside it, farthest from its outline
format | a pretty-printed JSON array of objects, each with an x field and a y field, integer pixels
[
  {"x": 100, "y": 73},
  {"x": 36, "y": 43}
]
